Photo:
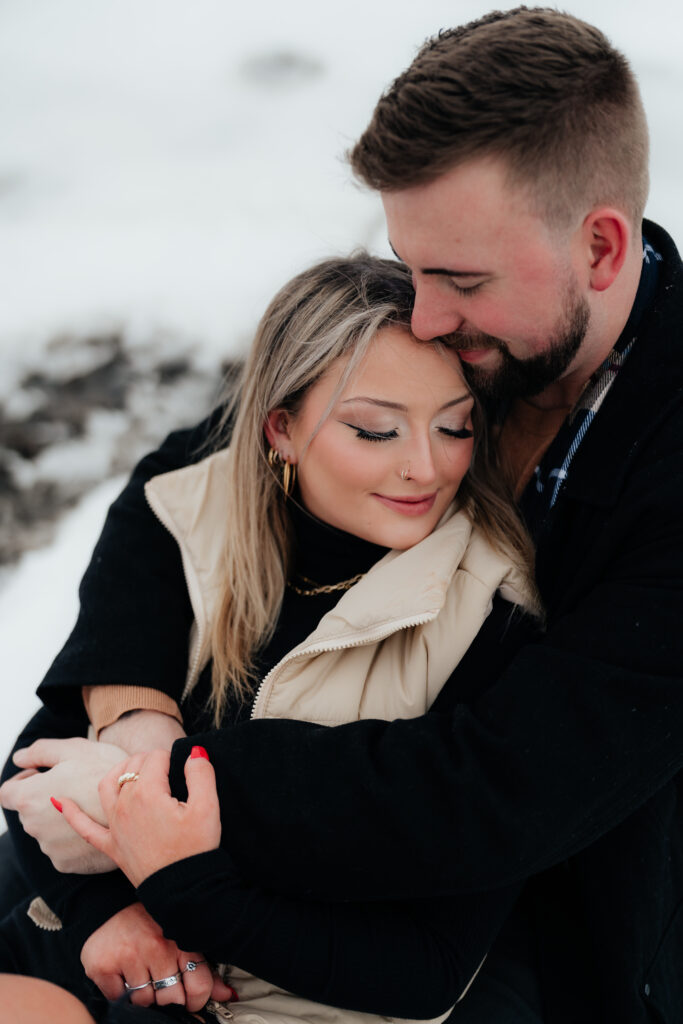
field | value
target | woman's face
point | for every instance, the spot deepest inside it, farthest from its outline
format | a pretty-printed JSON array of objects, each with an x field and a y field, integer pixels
[{"x": 388, "y": 459}]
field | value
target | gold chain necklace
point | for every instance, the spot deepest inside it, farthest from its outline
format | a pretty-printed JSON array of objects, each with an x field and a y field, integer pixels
[{"x": 323, "y": 588}]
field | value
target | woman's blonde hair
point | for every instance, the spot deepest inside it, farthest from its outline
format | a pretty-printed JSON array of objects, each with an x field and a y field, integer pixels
[{"x": 333, "y": 309}]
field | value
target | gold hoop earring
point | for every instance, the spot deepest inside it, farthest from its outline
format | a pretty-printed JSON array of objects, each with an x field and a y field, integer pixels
[{"x": 287, "y": 478}]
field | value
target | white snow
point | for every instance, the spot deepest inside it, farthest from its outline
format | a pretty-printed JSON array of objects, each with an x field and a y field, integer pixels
[
  {"x": 167, "y": 165},
  {"x": 38, "y": 607}
]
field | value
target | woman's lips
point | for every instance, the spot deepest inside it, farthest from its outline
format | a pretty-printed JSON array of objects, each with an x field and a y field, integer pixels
[{"x": 414, "y": 506}]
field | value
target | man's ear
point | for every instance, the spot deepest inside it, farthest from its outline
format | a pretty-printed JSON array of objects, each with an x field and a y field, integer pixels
[
  {"x": 277, "y": 430},
  {"x": 607, "y": 238}
]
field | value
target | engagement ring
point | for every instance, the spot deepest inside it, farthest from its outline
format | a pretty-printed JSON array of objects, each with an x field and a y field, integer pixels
[
  {"x": 128, "y": 777},
  {"x": 192, "y": 965}
]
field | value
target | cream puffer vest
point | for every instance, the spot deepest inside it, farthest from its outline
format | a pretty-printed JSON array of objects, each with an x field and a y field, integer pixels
[{"x": 384, "y": 651}]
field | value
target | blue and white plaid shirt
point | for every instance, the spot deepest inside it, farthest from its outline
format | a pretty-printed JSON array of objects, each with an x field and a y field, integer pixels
[{"x": 543, "y": 490}]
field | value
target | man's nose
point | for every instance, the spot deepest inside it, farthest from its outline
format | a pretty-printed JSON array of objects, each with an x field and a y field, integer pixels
[{"x": 434, "y": 314}]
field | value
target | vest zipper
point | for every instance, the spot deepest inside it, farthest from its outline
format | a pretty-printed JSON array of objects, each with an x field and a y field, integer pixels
[
  {"x": 320, "y": 648},
  {"x": 341, "y": 644}
]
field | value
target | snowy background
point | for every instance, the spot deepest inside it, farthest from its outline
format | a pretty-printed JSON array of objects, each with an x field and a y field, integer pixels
[{"x": 165, "y": 165}]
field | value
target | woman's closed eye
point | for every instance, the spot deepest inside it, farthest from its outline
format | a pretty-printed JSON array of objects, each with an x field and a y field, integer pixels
[
  {"x": 366, "y": 434},
  {"x": 372, "y": 435},
  {"x": 461, "y": 432}
]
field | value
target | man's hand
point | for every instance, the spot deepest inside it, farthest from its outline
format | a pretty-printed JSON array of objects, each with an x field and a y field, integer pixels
[
  {"x": 131, "y": 947},
  {"x": 149, "y": 828},
  {"x": 76, "y": 767},
  {"x": 137, "y": 732}
]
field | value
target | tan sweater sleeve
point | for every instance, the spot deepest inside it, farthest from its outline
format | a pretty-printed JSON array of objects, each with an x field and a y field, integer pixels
[{"x": 105, "y": 704}]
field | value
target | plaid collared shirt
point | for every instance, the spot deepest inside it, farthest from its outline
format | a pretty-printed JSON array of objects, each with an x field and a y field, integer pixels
[{"x": 549, "y": 477}]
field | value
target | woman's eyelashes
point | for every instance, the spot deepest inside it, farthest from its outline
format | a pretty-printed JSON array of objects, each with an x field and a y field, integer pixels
[
  {"x": 459, "y": 433},
  {"x": 372, "y": 435}
]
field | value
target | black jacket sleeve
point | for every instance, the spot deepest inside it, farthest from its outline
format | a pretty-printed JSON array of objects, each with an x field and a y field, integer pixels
[
  {"x": 412, "y": 959},
  {"x": 81, "y": 902},
  {"x": 580, "y": 729}
]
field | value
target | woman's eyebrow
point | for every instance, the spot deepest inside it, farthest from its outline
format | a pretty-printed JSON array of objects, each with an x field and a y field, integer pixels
[
  {"x": 376, "y": 401},
  {"x": 397, "y": 405},
  {"x": 456, "y": 401}
]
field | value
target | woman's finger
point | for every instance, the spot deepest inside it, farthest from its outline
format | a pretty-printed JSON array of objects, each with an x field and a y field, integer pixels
[
  {"x": 197, "y": 979},
  {"x": 222, "y": 992},
  {"x": 110, "y": 985},
  {"x": 168, "y": 984},
  {"x": 201, "y": 780},
  {"x": 112, "y": 785},
  {"x": 138, "y": 985},
  {"x": 203, "y": 806},
  {"x": 87, "y": 829}
]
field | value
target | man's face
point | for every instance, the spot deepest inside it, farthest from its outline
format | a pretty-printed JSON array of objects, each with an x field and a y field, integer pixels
[{"x": 489, "y": 274}]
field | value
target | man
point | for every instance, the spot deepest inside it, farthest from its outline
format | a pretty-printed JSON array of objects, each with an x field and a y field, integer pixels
[{"x": 512, "y": 162}]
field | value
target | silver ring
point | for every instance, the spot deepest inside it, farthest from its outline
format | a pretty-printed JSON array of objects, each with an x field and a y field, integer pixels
[
  {"x": 192, "y": 965},
  {"x": 169, "y": 982},
  {"x": 135, "y": 988},
  {"x": 128, "y": 777}
]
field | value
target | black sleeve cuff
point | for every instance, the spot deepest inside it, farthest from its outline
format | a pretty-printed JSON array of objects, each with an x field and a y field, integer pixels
[{"x": 177, "y": 897}]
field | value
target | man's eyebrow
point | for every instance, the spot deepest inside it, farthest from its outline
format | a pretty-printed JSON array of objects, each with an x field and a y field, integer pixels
[
  {"x": 444, "y": 271},
  {"x": 397, "y": 405}
]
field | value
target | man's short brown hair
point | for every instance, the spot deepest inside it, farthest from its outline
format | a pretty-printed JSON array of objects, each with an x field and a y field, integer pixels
[{"x": 538, "y": 88}]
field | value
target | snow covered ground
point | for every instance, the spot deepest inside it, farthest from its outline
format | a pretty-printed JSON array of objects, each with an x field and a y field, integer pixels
[{"x": 165, "y": 167}]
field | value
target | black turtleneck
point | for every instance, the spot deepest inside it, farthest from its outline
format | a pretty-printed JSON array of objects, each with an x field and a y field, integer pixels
[{"x": 321, "y": 554}]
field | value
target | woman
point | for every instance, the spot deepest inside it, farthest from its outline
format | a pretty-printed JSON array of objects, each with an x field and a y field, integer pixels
[{"x": 354, "y": 593}]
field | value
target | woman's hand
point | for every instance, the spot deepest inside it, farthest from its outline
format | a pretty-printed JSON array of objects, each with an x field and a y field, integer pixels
[
  {"x": 76, "y": 766},
  {"x": 130, "y": 948},
  {"x": 148, "y": 828}
]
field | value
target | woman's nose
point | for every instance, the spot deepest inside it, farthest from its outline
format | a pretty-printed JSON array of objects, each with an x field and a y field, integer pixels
[{"x": 418, "y": 464}]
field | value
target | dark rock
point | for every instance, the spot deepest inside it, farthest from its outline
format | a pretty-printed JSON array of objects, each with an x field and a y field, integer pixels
[{"x": 154, "y": 392}]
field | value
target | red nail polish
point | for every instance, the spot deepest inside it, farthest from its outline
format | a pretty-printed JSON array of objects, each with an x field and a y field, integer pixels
[
  {"x": 56, "y": 804},
  {"x": 233, "y": 998},
  {"x": 199, "y": 752}
]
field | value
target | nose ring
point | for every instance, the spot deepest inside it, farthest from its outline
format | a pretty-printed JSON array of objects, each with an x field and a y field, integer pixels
[{"x": 405, "y": 473}]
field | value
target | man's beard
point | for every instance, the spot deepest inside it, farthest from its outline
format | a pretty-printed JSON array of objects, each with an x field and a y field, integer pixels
[{"x": 521, "y": 378}]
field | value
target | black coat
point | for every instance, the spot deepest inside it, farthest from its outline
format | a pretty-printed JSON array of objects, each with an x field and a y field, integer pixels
[{"x": 564, "y": 772}]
